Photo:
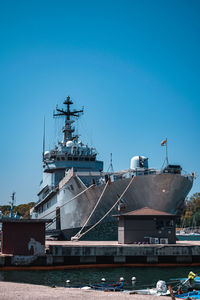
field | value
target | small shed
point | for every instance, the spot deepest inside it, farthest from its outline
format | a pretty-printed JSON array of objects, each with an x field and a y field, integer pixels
[
  {"x": 23, "y": 237},
  {"x": 146, "y": 225}
]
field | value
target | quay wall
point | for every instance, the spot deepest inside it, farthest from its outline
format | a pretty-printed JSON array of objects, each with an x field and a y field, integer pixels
[
  {"x": 126, "y": 254},
  {"x": 78, "y": 254}
]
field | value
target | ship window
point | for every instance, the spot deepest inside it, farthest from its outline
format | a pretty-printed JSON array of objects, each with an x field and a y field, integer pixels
[
  {"x": 71, "y": 187},
  {"x": 75, "y": 158},
  {"x": 58, "y": 158},
  {"x": 63, "y": 158},
  {"x": 69, "y": 158},
  {"x": 87, "y": 158}
]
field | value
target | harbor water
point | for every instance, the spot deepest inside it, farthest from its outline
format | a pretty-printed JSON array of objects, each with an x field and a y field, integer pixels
[
  {"x": 188, "y": 238},
  {"x": 145, "y": 276}
]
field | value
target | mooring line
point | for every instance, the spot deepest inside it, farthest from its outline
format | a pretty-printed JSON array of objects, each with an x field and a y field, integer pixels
[
  {"x": 78, "y": 237},
  {"x": 69, "y": 201}
]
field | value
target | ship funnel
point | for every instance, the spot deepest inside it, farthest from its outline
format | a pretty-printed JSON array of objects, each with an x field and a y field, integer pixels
[{"x": 139, "y": 162}]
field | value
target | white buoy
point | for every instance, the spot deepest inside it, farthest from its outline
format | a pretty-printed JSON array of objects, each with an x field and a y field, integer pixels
[
  {"x": 133, "y": 278},
  {"x": 67, "y": 281},
  {"x": 121, "y": 279},
  {"x": 103, "y": 279}
]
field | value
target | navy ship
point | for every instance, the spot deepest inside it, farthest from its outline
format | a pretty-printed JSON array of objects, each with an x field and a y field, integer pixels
[{"x": 81, "y": 198}]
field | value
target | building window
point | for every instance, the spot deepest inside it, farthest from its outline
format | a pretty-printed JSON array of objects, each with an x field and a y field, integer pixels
[
  {"x": 170, "y": 224},
  {"x": 159, "y": 224}
]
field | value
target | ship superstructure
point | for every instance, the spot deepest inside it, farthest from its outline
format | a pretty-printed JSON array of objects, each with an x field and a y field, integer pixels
[
  {"x": 75, "y": 192},
  {"x": 70, "y": 153}
]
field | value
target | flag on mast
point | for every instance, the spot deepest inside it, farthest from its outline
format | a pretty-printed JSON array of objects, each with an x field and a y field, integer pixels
[{"x": 164, "y": 142}]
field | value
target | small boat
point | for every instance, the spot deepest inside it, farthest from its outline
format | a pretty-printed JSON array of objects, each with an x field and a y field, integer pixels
[
  {"x": 152, "y": 292},
  {"x": 115, "y": 287},
  {"x": 189, "y": 295},
  {"x": 194, "y": 283},
  {"x": 109, "y": 286},
  {"x": 159, "y": 290}
]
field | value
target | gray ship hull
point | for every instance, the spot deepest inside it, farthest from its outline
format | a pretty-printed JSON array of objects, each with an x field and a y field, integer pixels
[{"x": 165, "y": 192}]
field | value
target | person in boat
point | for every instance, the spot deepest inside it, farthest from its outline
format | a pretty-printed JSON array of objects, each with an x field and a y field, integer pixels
[{"x": 191, "y": 276}]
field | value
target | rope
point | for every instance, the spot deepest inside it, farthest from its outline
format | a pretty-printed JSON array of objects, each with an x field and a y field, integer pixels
[
  {"x": 107, "y": 211},
  {"x": 69, "y": 200},
  {"x": 49, "y": 224},
  {"x": 78, "y": 234}
]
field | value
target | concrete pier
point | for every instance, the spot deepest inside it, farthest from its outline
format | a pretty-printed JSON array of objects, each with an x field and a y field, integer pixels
[{"x": 67, "y": 254}]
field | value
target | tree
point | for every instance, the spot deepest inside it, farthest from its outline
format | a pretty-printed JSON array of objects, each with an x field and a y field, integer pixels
[
  {"x": 191, "y": 214},
  {"x": 23, "y": 210}
]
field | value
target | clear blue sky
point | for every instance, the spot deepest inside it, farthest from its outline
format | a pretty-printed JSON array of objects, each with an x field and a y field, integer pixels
[{"x": 134, "y": 65}]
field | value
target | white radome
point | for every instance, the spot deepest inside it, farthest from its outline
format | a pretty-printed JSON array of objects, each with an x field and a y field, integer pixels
[
  {"x": 69, "y": 144},
  {"x": 135, "y": 162}
]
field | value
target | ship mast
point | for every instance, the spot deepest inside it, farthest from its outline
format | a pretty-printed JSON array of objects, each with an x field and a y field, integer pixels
[
  {"x": 12, "y": 204},
  {"x": 67, "y": 129}
]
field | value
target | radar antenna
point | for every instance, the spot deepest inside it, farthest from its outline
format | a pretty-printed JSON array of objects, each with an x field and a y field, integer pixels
[
  {"x": 110, "y": 168},
  {"x": 67, "y": 129},
  {"x": 43, "y": 150}
]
